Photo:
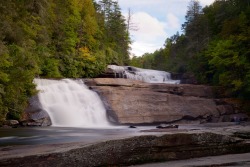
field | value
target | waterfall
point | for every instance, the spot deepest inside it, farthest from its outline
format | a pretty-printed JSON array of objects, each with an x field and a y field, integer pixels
[
  {"x": 145, "y": 75},
  {"x": 70, "y": 103}
]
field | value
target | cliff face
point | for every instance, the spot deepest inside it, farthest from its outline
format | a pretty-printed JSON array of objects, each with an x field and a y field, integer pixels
[{"x": 134, "y": 102}]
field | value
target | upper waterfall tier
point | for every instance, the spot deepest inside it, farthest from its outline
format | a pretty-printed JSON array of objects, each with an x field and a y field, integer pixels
[
  {"x": 70, "y": 103},
  {"x": 146, "y": 75}
]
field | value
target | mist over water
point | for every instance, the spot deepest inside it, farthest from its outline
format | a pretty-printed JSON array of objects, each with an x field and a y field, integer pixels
[{"x": 70, "y": 103}]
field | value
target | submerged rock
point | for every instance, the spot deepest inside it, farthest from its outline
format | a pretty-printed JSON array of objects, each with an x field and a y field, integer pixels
[
  {"x": 131, "y": 126},
  {"x": 166, "y": 126}
]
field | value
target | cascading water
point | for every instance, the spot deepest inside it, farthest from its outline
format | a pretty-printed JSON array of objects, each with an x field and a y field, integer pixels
[
  {"x": 145, "y": 75},
  {"x": 70, "y": 103}
]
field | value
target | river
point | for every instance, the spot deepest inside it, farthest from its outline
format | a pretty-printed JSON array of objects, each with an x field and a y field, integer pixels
[{"x": 56, "y": 135}]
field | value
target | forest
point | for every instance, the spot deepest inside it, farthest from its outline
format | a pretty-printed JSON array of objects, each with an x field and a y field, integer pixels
[
  {"x": 214, "y": 45},
  {"x": 55, "y": 39},
  {"x": 79, "y": 38}
]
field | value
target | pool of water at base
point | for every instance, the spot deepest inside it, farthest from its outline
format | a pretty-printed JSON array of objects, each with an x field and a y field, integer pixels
[{"x": 56, "y": 135}]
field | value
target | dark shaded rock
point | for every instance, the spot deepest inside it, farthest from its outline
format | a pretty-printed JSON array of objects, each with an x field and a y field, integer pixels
[
  {"x": 35, "y": 115},
  {"x": 242, "y": 134},
  {"x": 237, "y": 104},
  {"x": 34, "y": 104},
  {"x": 237, "y": 118},
  {"x": 39, "y": 122},
  {"x": 165, "y": 126},
  {"x": 109, "y": 73},
  {"x": 11, "y": 123},
  {"x": 6, "y": 126},
  {"x": 131, "y": 126},
  {"x": 225, "y": 109},
  {"x": 220, "y": 102}
]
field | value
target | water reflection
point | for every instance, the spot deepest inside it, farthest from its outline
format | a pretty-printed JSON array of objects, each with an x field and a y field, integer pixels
[{"x": 54, "y": 135}]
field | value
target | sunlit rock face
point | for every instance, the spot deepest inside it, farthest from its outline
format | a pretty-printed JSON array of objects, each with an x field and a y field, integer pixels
[{"x": 135, "y": 102}]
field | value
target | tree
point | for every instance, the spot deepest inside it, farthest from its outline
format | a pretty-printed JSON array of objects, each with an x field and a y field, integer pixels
[
  {"x": 130, "y": 25},
  {"x": 116, "y": 37},
  {"x": 214, "y": 46},
  {"x": 55, "y": 39},
  {"x": 193, "y": 12},
  {"x": 4, "y": 79}
]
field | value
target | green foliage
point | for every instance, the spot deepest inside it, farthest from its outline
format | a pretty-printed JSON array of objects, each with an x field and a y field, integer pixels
[
  {"x": 228, "y": 67},
  {"x": 50, "y": 68},
  {"x": 4, "y": 78},
  {"x": 20, "y": 86},
  {"x": 55, "y": 39},
  {"x": 214, "y": 46},
  {"x": 115, "y": 37},
  {"x": 136, "y": 62}
]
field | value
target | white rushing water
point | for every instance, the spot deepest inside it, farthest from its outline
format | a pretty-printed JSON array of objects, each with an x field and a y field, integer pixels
[
  {"x": 70, "y": 103},
  {"x": 145, "y": 75}
]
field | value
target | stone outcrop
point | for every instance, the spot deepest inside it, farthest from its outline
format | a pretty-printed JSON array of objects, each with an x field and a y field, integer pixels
[
  {"x": 35, "y": 115},
  {"x": 10, "y": 123},
  {"x": 134, "y": 102}
]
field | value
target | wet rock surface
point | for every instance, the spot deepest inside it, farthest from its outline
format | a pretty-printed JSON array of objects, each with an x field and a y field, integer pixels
[{"x": 35, "y": 115}]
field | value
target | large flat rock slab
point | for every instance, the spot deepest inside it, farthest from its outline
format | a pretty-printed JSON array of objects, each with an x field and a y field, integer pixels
[
  {"x": 180, "y": 89},
  {"x": 135, "y": 102},
  {"x": 133, "y": 105}
]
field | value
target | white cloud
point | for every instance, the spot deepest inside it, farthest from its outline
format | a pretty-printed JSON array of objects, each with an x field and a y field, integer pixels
[
  {"x": 140, "y": 47},
  {"x": 172, "y": 21},
  {"x": 139, "y": 3},
  {"x": 158, "y": 2},
  {"x": 156, "y": 20},
  {"x": 149, "y": 28},
  {"x": 206, "y": 2},
  {"x": 150, "y": 34}
]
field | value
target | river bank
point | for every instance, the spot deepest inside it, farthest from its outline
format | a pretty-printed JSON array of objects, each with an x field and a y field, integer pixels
[
  {"x": 236, "y": 160},
  {"x": 133, "y": 146}
]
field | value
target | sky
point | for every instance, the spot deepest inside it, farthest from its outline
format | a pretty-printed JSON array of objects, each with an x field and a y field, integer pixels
[{"x": 155, "y": 21}]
